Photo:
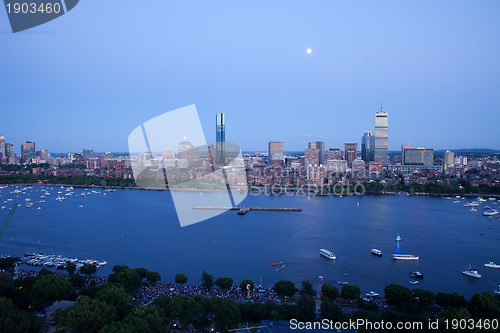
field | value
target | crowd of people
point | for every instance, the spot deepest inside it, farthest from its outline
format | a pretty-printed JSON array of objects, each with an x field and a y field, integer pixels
[{"x": 150, "y": 291}]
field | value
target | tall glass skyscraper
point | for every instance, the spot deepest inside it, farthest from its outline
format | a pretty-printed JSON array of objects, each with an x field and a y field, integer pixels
[
  {"x": 381, "y": 137},
  {"x": 221, "y": 139},
  {"x": 368, "y": 147}
]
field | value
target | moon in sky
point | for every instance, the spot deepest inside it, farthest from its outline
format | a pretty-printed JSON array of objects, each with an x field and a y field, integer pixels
[{"x": 309, "y": 51}]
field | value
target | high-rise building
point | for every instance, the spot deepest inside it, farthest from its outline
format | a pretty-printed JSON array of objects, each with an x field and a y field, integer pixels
[
  {"x": 88, "y": 153},
  {"x": 2, "y": 146},
  {"x": 449, "y": 159},
  {"x": 381, "y": 137},
  {"x": 333, "y": 154},
  {"x": 320, "y": 146},
  {"x": 358, "y": 165},
  {"x": 220, "y": 139},
  {"x": 43, "y": 154},
  {"x": 311, "y": 156},
  {"x": 350, "y": 152},
  {"x": 275, "y": 152},
  {"x": 27, "y": 151},
  {"x": 9, "y": 150},
  {"x": 368, "y": 147},
  {"x": 418, "y": 156},
  {"x": 403, "y": 147}
]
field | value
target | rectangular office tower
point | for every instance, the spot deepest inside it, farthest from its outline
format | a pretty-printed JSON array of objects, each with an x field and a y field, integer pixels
[
  {"x": 368, "y": 147},
  {"x": 221, "y": 139},
  {"x": 350, "y": 152},
  {"x": 381, "y": 137},
  {"x": 27, "y": 151},
  {"x": 275, "y": 152}
]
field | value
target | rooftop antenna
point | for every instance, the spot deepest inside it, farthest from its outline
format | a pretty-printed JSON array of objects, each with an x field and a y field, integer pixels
[{"x": 381, "y": 107}]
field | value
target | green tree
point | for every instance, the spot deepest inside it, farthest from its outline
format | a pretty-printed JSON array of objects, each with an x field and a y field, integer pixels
[
  {"x": 350, "y": 292},
  {"x": 144, "y": 319},
  {"x": 77, "y": 280},
  {"x": 485, "y": 305},
  {"x": 13, "y": 320},
  {"x": 396, "y": 294},
  {"x": 307, "y": 308},
  {"x": 70, "y": 267},
  {"x": 178, "y": 309},
  {"x": 330, "y": 310},
  {"x": 244, "y": 283},
  {"x": 224, "y": 282},
  {"x": 153, "y": 276},
  {"x": 7, "y": 286},
  {"x": 424, "y": 296},
  {"x": 117, "y": 297},
  {"x": 51, "y": 288},
  {"x": 413, "y": 306},
  {"x": 88, "y": 269},
  {"x": 285, "y": 288},
  {"x": 199, "y": 312},
  {"x": 327, "y": 290},
  {"x": 225, "y": 313},
  {"x": 207, "y": 280},
  {"x": 87, "y": 315},
  {"x": 448, "y": 300},
  {"x": 142, "y": 272},
  {"x": 8, "y": 262},
  {"x": 128, "y": 278},
  {"x": 307, "y": 288},
  {"x": 181, "y": 278}
]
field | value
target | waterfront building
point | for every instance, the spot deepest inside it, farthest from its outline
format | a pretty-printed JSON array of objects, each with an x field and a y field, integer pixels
[
  {"x": 381, "y": 137},
  {"x": 368, "y": 147},
  {"x": 27, "y": 151},
  {"x": 220, "y": 139},
  {"x": 275, "y": 152},
  {"x": 375, "y": 168},
  {"x": 350, "y": 152},
  {"x": 316, "y": 175}
]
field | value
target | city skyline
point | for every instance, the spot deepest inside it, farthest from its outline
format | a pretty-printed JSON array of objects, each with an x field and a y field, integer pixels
[{"x": 433, "y": 74}]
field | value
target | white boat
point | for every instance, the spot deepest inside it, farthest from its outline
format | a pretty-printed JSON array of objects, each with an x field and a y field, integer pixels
[
  {"x": 327, "y": 254},
  {"x": 491, "y": 264},
  {"x": 81, "y": 206},
  {"x": 472, "y": 272},
  {"x": 377, "y": 252},
  {"x": 416, "y": 275},
  {"x": 3, "y": 207},
  {"x": 473, "y": 209},
  {"x": 414, "y": 282},
  {"x": 497, "y": 291},
  {"x": 342, "y": 283},
  {"x": 481, "y": 199},
  {"x": 472, "y": 204},
  {"x": 490, "y": 212},
  {"x": 405, "y": 257},
  {"x": 399, "y": 238}
]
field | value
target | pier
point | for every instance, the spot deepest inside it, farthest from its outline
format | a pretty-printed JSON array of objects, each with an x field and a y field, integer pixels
[{"x": 278, "y": 209}]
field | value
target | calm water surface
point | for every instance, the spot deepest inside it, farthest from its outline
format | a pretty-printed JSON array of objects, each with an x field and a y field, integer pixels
[{"x": 140, "y": 229}]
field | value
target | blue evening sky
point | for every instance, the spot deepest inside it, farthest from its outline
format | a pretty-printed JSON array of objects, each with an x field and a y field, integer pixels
[{"x": 88, "y": 78}]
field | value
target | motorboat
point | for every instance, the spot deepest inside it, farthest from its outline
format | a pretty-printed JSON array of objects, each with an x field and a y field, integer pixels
[
  {"x": 472, "y": 272},
  {"x": 327, "y": 254},
  {"x": 491, "y": 264},
  {"x": 377, "y": 252}
]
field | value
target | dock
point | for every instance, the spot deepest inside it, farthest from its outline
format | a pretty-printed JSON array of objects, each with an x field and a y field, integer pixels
[{"x": 277, "y": 209}]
